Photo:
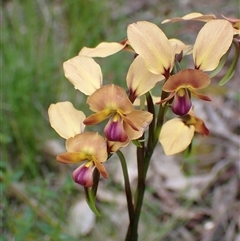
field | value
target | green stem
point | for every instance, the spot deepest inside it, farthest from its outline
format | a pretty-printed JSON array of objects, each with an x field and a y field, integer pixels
[
  {"x": 132, "y": 234},
  {"x": 151, "y": 128},
  {"x": 155, "y": 134},
  {"x": 143, "y": 160},
  {"x": 96, "y": 177},
  {"x": 127, "y": 186}
]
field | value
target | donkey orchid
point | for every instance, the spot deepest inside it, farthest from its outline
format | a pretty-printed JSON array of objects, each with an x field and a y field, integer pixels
[
  {"x": 125, "y": 122},
  {"x": 181, "y": 85},
  {"x": 177, "y": 133},
  {"x": 89, "y": 148}
]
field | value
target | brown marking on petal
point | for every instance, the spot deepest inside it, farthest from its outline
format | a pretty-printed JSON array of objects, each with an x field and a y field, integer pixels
[
  {"x": 110, "y": 97},
  {"x": 187, "y": 78}
]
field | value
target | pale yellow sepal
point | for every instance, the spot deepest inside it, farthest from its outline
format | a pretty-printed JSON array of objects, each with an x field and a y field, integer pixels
[
  {"x": 84, "y": 73},
  {"x": 65, "y": 119},
  {"x": 102, "y": 50},
  {"x": 212, "y": 42},
  {"x": 175, "y": 136},
  {"x": 150, "y": 42},
  {"x": 139, "y": 79}
]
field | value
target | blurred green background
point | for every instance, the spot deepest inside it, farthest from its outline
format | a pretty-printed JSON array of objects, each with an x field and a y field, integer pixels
[{"x": 36, "y": 38}]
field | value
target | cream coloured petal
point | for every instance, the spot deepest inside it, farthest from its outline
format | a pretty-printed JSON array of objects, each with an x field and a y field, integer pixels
[
  {"x": 110, "y": 97},
  {"x": 212, "y": 42},
  {"x": 191, "y": 16},
  {"x": 90, "y": 143},
  {"x": 149, "y": 41},
  {"x": 102, "y": 50},
  {"x": 139, "y": 79},
  {"x": 84, "y": 73},
  {"x": 175, "y": 136},
  {"x": 65, "y": 119}
]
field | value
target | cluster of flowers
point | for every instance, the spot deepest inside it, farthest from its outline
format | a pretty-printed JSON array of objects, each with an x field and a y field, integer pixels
[{"x": 156, "y": 59}]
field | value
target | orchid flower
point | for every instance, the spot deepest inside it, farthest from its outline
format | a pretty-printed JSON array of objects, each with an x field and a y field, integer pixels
[
  {"x": 213, "y": 40},
  {"x": 88, "y": 148},
  {"x": 177, "y": 133},
  {"x": 181, "y": 85},
  {"x": 125, "y": 122}
]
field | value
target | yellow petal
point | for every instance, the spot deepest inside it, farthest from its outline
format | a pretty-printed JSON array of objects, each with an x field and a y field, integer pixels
[
  {"x": 149, "y": 41},
  {"x": 97, "y": 118},
  {"x": 102, "y": 50},
  {"x": 191, "y": 16},
  {"x": 84, "y": 73},
  {"x": 90, "y": 143},
  {"x": 71, "y": 157},
  {"x": 175, "y": 136},
  {"x": 110, "y": 97},
  {"x": 65, "y": 119},
  {"x": 139, "y": 79},
  {"x": 212, "y": 42}
]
